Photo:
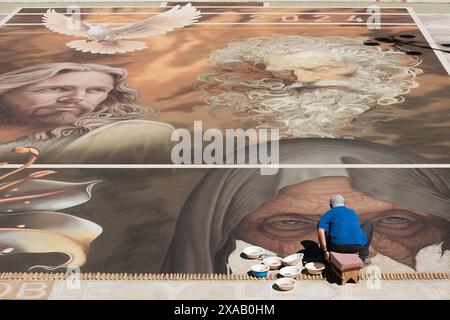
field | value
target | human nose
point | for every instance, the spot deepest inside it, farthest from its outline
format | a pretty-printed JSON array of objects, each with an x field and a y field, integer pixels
[{"x": 72, "y": 97}]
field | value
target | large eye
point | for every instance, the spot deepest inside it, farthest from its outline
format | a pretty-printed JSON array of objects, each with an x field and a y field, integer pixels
[
  {"x": 398, "y": 219},
  {"x": 287, "y": 226},
  {"x": 289, "y": 223},
  {"x": 395, "y": 220}
]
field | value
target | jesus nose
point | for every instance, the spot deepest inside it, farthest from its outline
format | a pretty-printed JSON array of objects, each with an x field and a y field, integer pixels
[{"x": 69, "y": 99}]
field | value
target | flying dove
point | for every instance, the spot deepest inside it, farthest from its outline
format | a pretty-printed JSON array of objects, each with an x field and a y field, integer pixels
[{"x": 104, "y": 40}]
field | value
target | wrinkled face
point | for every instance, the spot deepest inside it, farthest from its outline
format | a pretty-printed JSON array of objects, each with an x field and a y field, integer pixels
[
  {"x": 59, "y": 100},
  {"x": 282, "y": 223},
  {"x": 308, "y": 66}
]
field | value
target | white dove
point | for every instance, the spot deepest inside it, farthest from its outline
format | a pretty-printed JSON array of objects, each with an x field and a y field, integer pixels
[{"x": 104, "y": 40}]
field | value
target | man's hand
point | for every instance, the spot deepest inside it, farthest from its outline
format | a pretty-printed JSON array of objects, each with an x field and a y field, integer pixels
[{"x": 327, "y": 255}]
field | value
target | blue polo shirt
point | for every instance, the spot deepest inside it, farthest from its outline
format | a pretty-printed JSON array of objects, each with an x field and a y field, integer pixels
[{"x": 342, "y": 224}]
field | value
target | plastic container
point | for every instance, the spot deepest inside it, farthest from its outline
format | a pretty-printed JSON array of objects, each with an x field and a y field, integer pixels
[{"x": 260, "y": 270}]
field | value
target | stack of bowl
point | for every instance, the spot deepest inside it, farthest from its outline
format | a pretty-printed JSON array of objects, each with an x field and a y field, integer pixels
[
  {"x": 273, "y": 262},
  {"x": 293, "y": 260}
]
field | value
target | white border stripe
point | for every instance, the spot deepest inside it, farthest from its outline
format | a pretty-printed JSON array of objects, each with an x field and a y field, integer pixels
[
  {"x": 248, "y": 23},
  {"x": 9, "y": 16},
  {"x": 231, "y": 166},
  {"x": 224, "y": 13},
  {"x": 429, "y": 38},
  {"x": 433, "y": 14},
  {"x": 212, "y": 7}
]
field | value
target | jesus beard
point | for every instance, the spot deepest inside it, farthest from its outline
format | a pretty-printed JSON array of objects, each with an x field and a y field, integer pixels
[{"x": 56, "y": 118}]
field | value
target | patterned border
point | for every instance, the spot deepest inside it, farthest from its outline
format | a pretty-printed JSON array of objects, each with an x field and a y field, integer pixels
[{"x": 214, "y": 276}]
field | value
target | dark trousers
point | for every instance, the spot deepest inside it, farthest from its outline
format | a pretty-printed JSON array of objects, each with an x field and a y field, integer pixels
[{"x": 367, "y": 228}]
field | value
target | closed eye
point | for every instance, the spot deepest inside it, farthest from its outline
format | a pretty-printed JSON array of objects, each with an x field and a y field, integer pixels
[{"x": 323, "y": 69}]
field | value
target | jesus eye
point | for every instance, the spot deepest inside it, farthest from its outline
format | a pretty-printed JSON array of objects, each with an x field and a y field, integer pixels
[
  {"x": 51, "y": 90},
  {"x": 97, "y": 90}
]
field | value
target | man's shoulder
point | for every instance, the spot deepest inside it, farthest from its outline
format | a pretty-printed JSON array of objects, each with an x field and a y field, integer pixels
[
  {"x": 329, "y": 212},
  {"x": 336, "y": 210}
]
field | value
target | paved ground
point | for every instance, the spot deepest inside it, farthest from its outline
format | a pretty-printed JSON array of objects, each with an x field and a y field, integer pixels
[
  {"x": 225, "y": 290},
  {"x": 253, "y": 290}
]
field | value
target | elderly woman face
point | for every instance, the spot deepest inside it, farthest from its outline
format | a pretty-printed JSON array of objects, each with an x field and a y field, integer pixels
[{"x": 283, "y": 222}]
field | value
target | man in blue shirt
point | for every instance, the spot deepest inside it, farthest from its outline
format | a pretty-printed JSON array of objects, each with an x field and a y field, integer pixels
[{"x": 339, "y": 230}]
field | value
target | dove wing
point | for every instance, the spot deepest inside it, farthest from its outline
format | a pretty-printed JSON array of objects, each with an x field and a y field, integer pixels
[
  {"x": 177, "y": 17},
  {"x": 60, "y": 23}
]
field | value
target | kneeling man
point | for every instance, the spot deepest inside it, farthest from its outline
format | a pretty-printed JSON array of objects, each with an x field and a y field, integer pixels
[{"x": 339, "y": 230}]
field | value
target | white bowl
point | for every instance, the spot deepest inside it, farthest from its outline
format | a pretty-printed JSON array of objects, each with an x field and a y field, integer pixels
[
  {"x": 253, "y": 252},
  {"x": 290, "y": 272},
  {"x": 293, "y": 259},
  {"x": 273, "y": 262},
  {"x": 315, "y": 267},
  {"x": 285, "y": 284}
]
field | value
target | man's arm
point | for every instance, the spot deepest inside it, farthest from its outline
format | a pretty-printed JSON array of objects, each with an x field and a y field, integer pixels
[
  {"x": 323, "y": 243},
  {"x": 322, "y": 239},
  {"x": 322, "y": 227}
]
